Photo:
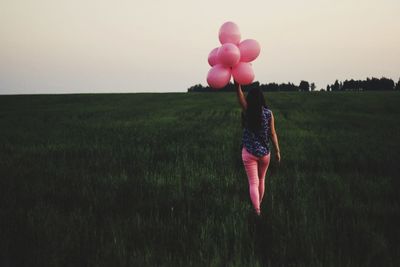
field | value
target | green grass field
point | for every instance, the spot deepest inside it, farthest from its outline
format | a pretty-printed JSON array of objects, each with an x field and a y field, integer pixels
[{"x": 157, "y": 180}]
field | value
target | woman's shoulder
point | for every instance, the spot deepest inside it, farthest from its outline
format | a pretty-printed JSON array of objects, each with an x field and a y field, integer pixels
[
  {"x": 266, "y": 108},
  {"x": 267, "y": 111}
]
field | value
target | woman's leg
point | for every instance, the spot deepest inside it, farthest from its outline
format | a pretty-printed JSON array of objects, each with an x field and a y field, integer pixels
[
  {"x": 251, "y": 167},
  {"x": 263, "y": 164}
]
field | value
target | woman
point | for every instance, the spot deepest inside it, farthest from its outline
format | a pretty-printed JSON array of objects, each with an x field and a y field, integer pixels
[{"x": 258, "y": 129}]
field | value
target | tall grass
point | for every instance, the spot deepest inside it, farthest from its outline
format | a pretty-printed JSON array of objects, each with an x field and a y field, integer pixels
[{"x": 157, "y": 179}]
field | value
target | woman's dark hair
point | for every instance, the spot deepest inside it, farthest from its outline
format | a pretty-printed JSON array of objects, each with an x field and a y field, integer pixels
[{"x": 252, "y": 117}]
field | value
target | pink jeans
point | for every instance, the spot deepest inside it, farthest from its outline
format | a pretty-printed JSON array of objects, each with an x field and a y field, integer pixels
[{"x": 256, "y": 169}]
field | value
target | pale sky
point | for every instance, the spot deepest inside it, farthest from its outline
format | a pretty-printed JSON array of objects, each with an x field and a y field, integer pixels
[{"x": 96, "y": 46}]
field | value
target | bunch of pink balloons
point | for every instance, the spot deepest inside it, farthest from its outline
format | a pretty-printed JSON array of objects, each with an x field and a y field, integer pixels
[{"x": 232, "y": 58}]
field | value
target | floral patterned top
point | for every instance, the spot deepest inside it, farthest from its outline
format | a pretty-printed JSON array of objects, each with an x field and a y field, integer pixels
[{"x": 257, "y": 143}]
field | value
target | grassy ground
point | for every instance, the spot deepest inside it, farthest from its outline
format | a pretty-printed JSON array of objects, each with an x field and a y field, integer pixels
[{"x": 157, "y": 179}]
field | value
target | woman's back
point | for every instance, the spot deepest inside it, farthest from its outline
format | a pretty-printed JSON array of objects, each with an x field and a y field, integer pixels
[{"x": 257, "y": 141}]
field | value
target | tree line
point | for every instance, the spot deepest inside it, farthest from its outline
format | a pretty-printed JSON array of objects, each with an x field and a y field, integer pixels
[
  {"x": 373, "y": 84},
  {"x": 370, "y": 84}
]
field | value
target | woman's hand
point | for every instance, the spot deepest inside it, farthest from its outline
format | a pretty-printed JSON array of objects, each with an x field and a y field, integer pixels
[{"x": 278, "y": 156}]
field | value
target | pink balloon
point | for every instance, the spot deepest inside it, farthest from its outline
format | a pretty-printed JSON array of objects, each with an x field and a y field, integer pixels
[
  {"x": 249, "y": 50},
  {"x": 243, "y": 73},
  {"x": 213, "y": 57},
  {"x": 229, "y": 54},
  {"x": 218, "y": 76},
  {"x": 229, "y": 33}
]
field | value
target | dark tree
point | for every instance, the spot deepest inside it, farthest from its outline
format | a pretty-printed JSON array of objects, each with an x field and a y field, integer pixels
[
  {"x": 312, "y": 86},
  {"x": 335, "y": 86},
  {"x": 328, "y": 88},
  {"x": 304, "y": 86},
  {"x": 397, "y": 85},
  {"x": 386, "y": 84},
  {"x": 352, "y": 85},
  {"x": 196, "y": 88}
]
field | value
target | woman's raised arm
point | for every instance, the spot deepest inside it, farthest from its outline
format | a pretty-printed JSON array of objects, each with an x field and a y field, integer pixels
[{"x": 240, "y": 95}]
